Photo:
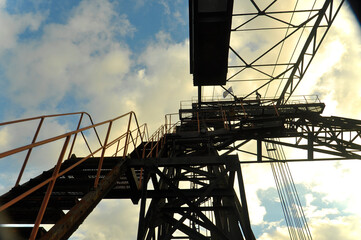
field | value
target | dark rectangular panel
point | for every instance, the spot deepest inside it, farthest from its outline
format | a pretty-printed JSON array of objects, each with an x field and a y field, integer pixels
[{"x": 210, "y": 27}]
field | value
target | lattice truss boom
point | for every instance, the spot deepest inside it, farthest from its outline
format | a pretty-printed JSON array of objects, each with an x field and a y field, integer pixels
[
  {"x": 273, "y": 43},
  {"x": 330, "y": 137}
]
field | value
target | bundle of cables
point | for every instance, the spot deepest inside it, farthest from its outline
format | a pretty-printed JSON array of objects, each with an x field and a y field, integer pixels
[{"x": 291, "y": 205}]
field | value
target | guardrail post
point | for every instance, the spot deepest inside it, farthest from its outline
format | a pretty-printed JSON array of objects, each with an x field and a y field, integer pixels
[
  {"x": 29, "y": 152},
  {"x": 76, "y": 134},
  {"x": 199, "y": 128},
  {"x": 117, "y": 149},
  {"x": 158, "y": 141},
  {"x": 276, "y": 110},
  {"x": 46, "y": 198},
  {"x": 102, "y": 156},
  {"x": 127, "y": 136},
  {"x": 151, "y": 148}
]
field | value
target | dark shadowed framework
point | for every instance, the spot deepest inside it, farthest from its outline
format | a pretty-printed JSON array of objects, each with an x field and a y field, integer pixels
[{"x": 187, "y": 177}]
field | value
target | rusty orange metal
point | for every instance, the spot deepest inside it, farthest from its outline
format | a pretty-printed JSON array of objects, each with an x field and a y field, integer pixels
[
  {"x": 276, "y": 110},
  {"x": 132, "y": 136},
  {"x": 129, "y": 139},
  {"x": 49, "y": 190}
]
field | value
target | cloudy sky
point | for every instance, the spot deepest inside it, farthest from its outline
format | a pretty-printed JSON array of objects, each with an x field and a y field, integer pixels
[{"x": 108, "y": 57}]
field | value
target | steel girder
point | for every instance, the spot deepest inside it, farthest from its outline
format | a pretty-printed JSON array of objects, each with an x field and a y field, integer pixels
[
  {"x": 309, "y": 50},
  {"x": 334, "y": 138},
  {"x": 299, "y": 126},
  {"x": 68, "y": 224},
  {"x": 321, "y": 138},
  {"x": 277, "y": 70},
  {"x": 193, "y": 198}
]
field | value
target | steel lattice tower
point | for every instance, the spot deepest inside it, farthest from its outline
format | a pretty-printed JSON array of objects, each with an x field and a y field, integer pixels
[{"x": 187, "y": 177}]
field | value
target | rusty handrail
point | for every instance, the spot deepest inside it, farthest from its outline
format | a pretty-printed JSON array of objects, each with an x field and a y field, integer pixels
[
  {"x": 42, "y": 119},
  {"x": 168, "y": 121},
  {"x": 152, "y": 137},
  {"x": 67, "y": 136},
  {"x": 36, "y": 144},
  {"x": 52, "y": 139},
  {"x": 45, "y": 116},
  {"x": 160, "y": 133},
  {"x": 144, "y": 126}
]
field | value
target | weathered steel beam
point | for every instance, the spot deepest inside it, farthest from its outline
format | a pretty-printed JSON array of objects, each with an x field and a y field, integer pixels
[
  {"x": 67, "y": 225},
  {"x": 302, "y": 64},
  {"x": 182, "y": 161}
]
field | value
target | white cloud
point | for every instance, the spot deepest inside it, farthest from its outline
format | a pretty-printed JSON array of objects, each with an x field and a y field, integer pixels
[
  {"x": 4, "y": 137},
  {"x": 86, "y": 58},
  {"x": 178, "y": 16},
  {"x": 334, "y": 73},
  {"x": 111, "y": 219},
  {"x": 12, "y": 25},
  {"x": 256, "y": 177},
  {"x": 165, "y": 4},
  {"x": 83, "y": 57},
  {"x": 347, "y": 228},
  {"x": 324, "y": 229},
  {"x": 280, "y": 233},
  {"x": 164, "y": 79},
  {"x": 2, "y": 4}
]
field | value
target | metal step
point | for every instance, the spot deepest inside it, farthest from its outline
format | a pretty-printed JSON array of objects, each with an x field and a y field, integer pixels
[{"x": 67, "y": 192}]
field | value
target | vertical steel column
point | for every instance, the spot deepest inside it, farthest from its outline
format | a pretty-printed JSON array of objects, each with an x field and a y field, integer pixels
[
  {"x": 199, "y": 96},
  {"x": 259, "y": 150},
  {"x": 142, "y": 223},
  {"x": 310, "y": 139}
]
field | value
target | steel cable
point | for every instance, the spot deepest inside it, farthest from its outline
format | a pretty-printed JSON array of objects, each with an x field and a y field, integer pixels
[
  {"x": 299, "y": 39},
  {"x": 291, "y": 206},
  {"x": 279, "y": 53}
]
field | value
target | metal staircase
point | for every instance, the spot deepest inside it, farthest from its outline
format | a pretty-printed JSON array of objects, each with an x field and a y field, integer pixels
[{"x": 73, "y": 186}]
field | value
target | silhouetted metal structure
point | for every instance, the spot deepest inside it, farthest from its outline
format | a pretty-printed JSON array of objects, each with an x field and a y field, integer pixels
[
  {"x": 188, "y": 170},
  {"x": 210, "y": 31}
]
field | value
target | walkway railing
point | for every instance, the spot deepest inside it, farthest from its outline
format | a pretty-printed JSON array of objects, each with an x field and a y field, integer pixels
[
  {"x": 296, "y": 99},
  {"x": 157, "y": 140},
  {"x": 133, "y": 135}
]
